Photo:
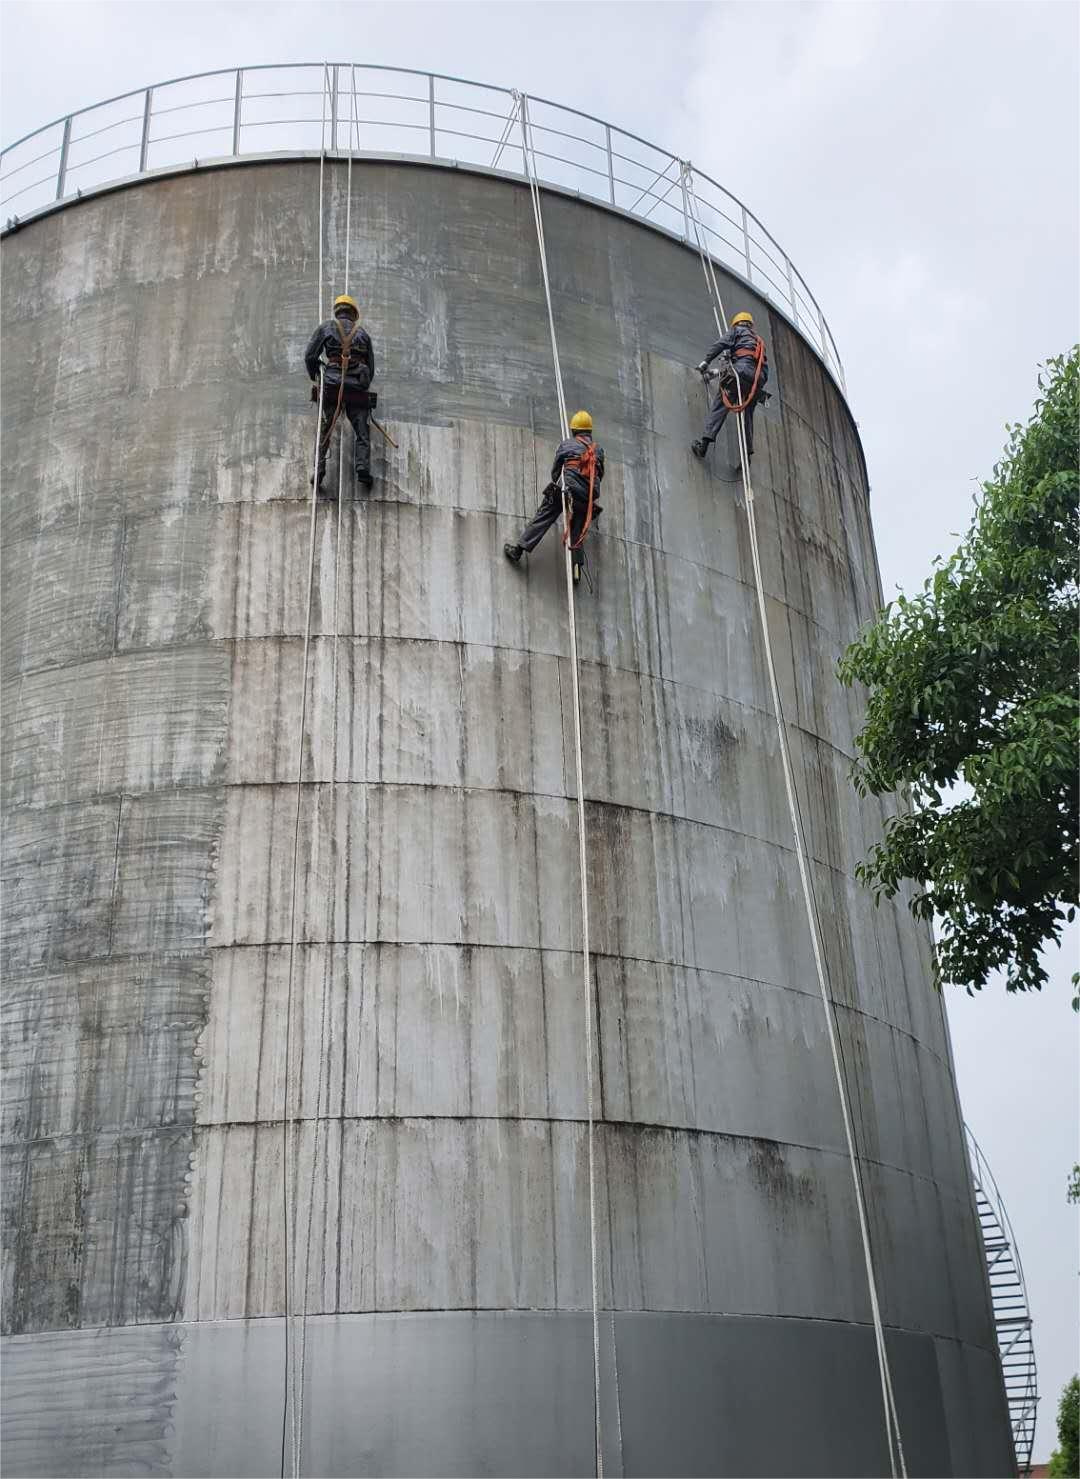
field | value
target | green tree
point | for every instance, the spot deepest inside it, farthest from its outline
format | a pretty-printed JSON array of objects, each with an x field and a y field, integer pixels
[
  {"x": 1065, "y": 1459},
  {"x": 973, "y": 684}
]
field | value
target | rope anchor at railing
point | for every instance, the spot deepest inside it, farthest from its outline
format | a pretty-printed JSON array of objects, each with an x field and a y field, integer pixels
[{"x": 601, "y": 175}]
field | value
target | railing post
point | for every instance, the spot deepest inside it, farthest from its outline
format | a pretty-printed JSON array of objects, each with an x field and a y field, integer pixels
[
  {"x": 61, "y": 172},
  {"x": 333, "y": 110},
  {"x": 431, "y": 112},
  {"x": 524, "y": 137},
  {"x": 610, "y": 163},
  {"x": 746, "y": 243},
  {"x": 683, "y": 170},
  {"x": 148, "y": 105},
  {"x": 824, "y": 336},
  {"x": 237, "y": 104},
  {"x": 791, "y": 290}
]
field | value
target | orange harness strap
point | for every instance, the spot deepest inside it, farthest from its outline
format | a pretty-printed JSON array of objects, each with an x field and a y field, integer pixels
[
  {"x": 586, "y": 462},
  {"x": 758, "y": 353}
]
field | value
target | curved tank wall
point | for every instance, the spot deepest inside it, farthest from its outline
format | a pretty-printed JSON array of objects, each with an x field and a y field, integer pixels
[{"x": 157, "y": 441}]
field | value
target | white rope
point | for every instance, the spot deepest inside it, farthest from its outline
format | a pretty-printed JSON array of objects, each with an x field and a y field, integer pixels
[
  {"x": 289, "y": 1119},
  {"x": 327, "y": 974},
  {"x": 507, "y": 129},
  {"x": 322, "y": 167},
  {"x": 528, "y": 152},
  {"x": 892, "y": 1424},
  {"x": 291, "y": 1415}
]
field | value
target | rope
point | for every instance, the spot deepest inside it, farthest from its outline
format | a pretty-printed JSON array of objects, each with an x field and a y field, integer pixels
[
  {"x": 528, "y": 152},
  {"x": 504, "y": 137},
  {"x": 892, "y": 1424},
  {"x": 327, "y": 973},
  {"x": 289, "y": 1119},
  {"x": 322, "y": 167},
  {"x": 291, "y": 1417},
  {"x": 589, "y": 456}
]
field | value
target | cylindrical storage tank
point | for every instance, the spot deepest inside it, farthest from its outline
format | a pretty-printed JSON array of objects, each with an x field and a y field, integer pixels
[{"x": 157, "y": 451}]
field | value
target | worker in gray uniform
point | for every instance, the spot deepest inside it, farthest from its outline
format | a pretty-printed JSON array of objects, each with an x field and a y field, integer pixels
[
  {"x": 580, "y": 462},
  {"x": 742, "y": 380},
  {"x": 341, "y": 348}
]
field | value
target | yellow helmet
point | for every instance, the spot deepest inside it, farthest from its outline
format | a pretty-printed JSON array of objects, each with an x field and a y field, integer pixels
[
  {"x": 581, "y": 421},
  {"x": 742, "y": 318},
  {"x": 344, "y": 301}
]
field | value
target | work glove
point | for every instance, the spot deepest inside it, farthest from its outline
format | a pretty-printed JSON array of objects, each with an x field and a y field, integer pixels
[{"x": 703, "y": 366}]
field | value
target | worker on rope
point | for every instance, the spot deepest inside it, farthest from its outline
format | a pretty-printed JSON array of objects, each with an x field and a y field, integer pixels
[
  {"x": 579, "y": 463},
  {"x": 341, "y": 348},
  {"x": 743, "y": 376}
]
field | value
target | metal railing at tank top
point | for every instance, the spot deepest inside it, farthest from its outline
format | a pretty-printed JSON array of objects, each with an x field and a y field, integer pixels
[{"x": 393, "y": 113}]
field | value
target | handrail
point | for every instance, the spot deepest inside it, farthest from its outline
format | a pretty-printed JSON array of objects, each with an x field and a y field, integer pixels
[
  {"x": 76, "y": 176},
  {"x": 1023, "y": 1403}
]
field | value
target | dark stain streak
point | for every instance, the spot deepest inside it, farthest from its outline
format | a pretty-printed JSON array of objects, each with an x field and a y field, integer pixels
[{"x": 769, "y": 1169}]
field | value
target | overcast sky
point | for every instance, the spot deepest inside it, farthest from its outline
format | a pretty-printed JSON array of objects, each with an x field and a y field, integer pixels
[{"x": 918, "y": 161}]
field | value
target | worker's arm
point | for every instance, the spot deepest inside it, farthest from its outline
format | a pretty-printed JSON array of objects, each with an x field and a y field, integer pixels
[
  {"x": 726, "y": 343},
  {"x": 562, "y": 452},
  {"x": 370, "y": 357},
  {"x": 313, "y": 353},
  {"x": 599, "y": 464}
]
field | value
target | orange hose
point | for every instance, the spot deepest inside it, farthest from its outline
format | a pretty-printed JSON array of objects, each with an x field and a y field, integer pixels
[{"x": 589, "y": 510}]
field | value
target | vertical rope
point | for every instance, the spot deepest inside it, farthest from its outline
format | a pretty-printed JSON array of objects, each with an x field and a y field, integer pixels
[
  {"x": 291, "y": 1404},
  {"x": 528, "y": 152},
  {"x": 321, "y": 1128},
  {"x": 292, "y": 944},
  {"x": 892, "y": 1425},
  {"x": 322, "y": 168}
]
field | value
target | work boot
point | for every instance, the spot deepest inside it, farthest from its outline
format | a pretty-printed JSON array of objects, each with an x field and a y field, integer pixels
[
  {"x": 363, "y": 476},
  {"x": 699, "y": 447},
  {"x": 513, "y": 553}
]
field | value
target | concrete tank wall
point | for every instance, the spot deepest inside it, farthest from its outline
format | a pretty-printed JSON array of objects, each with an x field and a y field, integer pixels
[{"x": 157, "y": 440}]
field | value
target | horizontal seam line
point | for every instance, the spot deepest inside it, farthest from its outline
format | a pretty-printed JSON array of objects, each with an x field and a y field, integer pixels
[
  {"x": 182, "y": 955},
  {"x": 675, "y": 684},
  {"x": 68, "y": 1332},
  {"x": 226, "y": 787},
  {"x": 637, "y": 544},
  {"x": 194, "y": 1128}
]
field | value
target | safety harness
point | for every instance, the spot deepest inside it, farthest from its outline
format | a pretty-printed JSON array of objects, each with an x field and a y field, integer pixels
[
  {"x": 342, "y": 360},
  {"x": 757, "y": 354},
  {"x": 584, "y": 464}
]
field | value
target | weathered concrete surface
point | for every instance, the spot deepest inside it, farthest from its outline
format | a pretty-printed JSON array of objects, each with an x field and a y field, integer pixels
[
  {"x": 505, "y": 1393},
  {"x": 155, "y": 537}
]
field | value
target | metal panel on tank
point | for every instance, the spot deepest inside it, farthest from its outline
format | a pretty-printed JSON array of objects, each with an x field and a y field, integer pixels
[{"x": 157, "y": 448}]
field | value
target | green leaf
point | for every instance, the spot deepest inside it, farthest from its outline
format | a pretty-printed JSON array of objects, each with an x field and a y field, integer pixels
[{"x": 973, "y": 680}]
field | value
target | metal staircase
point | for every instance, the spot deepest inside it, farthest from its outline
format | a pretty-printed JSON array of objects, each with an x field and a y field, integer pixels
[{"x": 1012, "y": 1317}]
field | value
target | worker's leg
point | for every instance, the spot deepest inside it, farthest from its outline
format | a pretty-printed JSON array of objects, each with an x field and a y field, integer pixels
[
  {"x": 358, "y": 416},
  {"x": 330, "y": 409},
  {"x": 542, "y": 520},
  {"x": 715, "y": 419},
  {"x": 748, "y": 423},
  {"x": 579, "y": 508},
  {"x": 325, "y": 432},
  {"x": 746, "y": 386},
  {"x": 713, "y": 422}
]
